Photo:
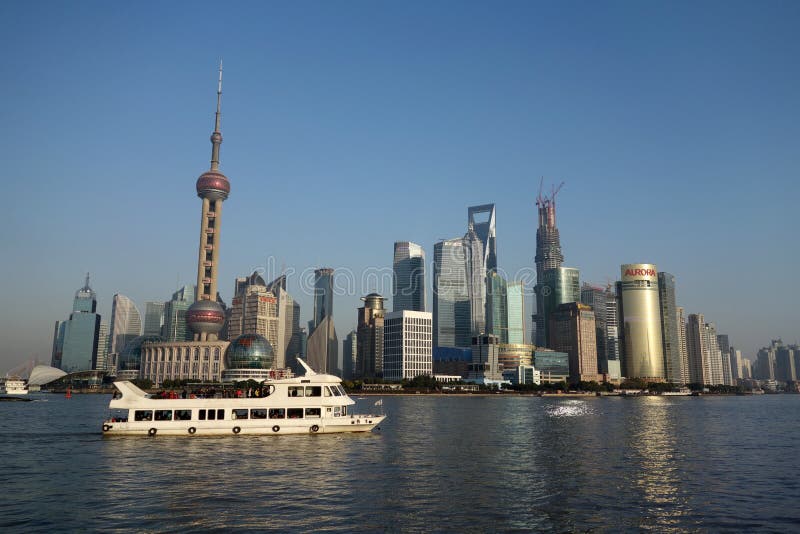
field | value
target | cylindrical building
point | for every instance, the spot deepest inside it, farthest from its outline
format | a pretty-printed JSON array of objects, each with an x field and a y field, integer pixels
[{"x": 641, "y": 320}]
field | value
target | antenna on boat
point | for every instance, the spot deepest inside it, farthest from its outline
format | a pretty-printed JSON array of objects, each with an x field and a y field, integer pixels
[{"x": 309, "y": 370}]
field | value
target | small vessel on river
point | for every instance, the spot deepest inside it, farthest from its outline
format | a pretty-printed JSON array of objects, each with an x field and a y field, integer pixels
[
  {"x": 12, "y": 385},
  {"x": 312, "y": 403}
]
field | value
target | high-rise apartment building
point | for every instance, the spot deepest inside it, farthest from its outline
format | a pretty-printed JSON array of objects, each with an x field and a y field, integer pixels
[
  {"x": 643, "y": 354},
  {"x": 572, "y": 327},
  {"x": 785, "y": 369},
  {"x": 451, "y": 299},
  {"x": 255, "y": 311},
  {"x": 683, "y": 351},
  {"x": 482, "y": 220},
  {"x": 548, "y": 256},
  {"x": 126, "y": 323},
  {"x": 81, "y": 332},
  {"x": 102, "y": 347},
  {"x": 558, "y": 286},
  {"x": 705, "y": 358},
  {"x": 371, "y": 317},
  {"x": 604, "y": 303},
  {"x": 153, "y": 318},
  {"x": 407, "y": 345},
  {"x": 408, "y": 277},
  {"x": 206, "y": 317},
  {"x": 670, "y": 341}
]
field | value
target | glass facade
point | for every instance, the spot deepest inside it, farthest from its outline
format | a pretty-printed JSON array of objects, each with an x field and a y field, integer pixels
[
  {"x": 175, "y": 315},
  {"x": 249, "y": 351},
  {"x": 515, "y": 304},
  {"x": 669, "y": 328},
  {"x": 81, "y": 333},
  {"x": 560, "y": 286},
  {"x": 451, "y": 313},
  {"x": 323, "y": 295},
  {"x": 153, "y": 318},
  {"x": 497, "y": 306},
  {"x": 126, "y": 323},
  {"x": 408, "y": 280},
  {"x": 551, "y": 363},
  {"x": 641, "y": 322}
]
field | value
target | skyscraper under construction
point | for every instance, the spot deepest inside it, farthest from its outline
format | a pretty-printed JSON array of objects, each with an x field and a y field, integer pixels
[{"x": 548, "y": 256}]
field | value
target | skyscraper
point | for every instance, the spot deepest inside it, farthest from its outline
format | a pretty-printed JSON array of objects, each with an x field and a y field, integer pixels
[
  {"x": 476, "y": 280},
  {"x": 548, "y": 256},
  {"x": 323, "y": 296},
  {"x": 369, "y": 361},
  {"x": 451, "y": 302},
  {"x": 407, "y": 345},
  {"x": 206, "y": 316},
  {"x": 126, "y": 323},
  {"x": 255, "y": 311},
  {"x": 683, "y": 350},
  {"x": 705, "y": 358},
  {"x": 643, "y": 355},
  {"x": 515, "y": 298},
  {"x": 604, "y": 303},
  {"x": 174, "y": 328},
  {"x": 670, "y": 341},
  {"x": 153, "y": 318},
  {"x": 350, "y": 356},
  {"x": 485, "y": 229},
  {"x": 572, "y": 327},
  {"x": 323, "y": 348},
  {"x": 558, "y": 286},
  {"x": 81, "y": 332},
  {"x": 497, "y": 306},
  {"x": 102, "y": 347},
  {"x": 408, "y": 280}
]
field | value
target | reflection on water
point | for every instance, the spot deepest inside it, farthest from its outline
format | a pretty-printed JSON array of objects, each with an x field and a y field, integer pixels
[{"x": 461, "y": 464}]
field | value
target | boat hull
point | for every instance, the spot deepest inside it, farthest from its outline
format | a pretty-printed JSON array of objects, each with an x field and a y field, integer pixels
[{"x": 356, "y": 423}]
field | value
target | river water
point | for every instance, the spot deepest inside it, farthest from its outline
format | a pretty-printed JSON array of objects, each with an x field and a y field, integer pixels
[{"x": 454, "y": 464}]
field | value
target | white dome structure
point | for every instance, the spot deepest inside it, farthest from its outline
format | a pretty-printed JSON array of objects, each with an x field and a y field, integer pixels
[{"x": 44, "y": 374}]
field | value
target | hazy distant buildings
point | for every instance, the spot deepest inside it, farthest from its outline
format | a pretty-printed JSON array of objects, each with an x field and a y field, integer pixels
[
  {"x": 407, "y": 345},
  {"x": 323, "y": 348},
  {"x": 323, "y": 296},
  {"x": 572, "y": 327},
  {"x": 408, "y": 280},
  {"x": 370, "y": 337},
  {"x": 102, "y": 347},
  {"x": 683, "y": 350},
  {"x": 705, "y": 358},
  {"x": 126, "y": 323},
  {"x": 670, "y": 340},
  {"x": 643, "y": 355},
  {"x": 548, "y": 256},
  {"x": 153, "y": 318},
  {"x": 81, "y": 333}
]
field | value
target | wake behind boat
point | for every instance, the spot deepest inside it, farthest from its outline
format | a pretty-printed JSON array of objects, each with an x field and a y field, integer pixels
[{"x": 313, "y": 403}]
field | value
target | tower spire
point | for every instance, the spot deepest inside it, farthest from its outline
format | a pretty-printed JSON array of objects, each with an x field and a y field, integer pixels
[
  {"x": 86, "y": 285},
  {"x": 216, "y": 137}
]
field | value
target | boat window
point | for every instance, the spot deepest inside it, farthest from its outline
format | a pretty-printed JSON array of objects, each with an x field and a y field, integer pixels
[
  {"x": 335, "y": 391},
  {"x": 220, "y": 414},
  {"x": 183, "y": 415},
  {"x": 212, "y": 415},
  {"x": 239, "y": 414},
  {"x": 143, "y": 415},
  {"x": 313, "y": 412},
  {"x": 294, "y": 413},
  {"x": 328, "y": 391},
  {"x": 337, "y": 411},
  {"x": 313, "y": 391},
  {"x": 295, "y": 391},
  {"x": 258, "y": 413},
  {"x": 344, "y": 411},
  {"x": 277, "y": 413},
  {"x": 201, "y": 415},
  {"x": 163, "y": 415},
  {"x": 342, "y": 391}
]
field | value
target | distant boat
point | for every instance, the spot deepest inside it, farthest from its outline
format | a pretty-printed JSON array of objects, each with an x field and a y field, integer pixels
[{"x": 13, "y": 385}]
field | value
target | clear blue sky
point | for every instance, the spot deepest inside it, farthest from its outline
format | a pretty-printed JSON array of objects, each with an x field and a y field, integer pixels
[{"x": 349, "y": 125}]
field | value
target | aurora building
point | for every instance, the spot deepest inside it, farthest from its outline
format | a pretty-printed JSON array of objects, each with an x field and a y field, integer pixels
[{"x": 643, "y": 354}]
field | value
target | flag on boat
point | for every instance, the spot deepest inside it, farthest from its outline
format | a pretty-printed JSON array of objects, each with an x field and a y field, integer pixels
[{"x": 379, "y": 403}]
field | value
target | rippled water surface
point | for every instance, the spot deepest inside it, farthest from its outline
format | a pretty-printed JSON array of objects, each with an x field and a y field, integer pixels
[{"x": 459, "y": 464}]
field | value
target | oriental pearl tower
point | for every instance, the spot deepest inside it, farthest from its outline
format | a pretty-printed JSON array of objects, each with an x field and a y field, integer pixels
[{"x": 206, "y": 317}]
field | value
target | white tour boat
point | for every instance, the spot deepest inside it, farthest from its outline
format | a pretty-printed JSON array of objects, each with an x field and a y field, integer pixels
[
  {"x": 12, "y": 385},
  {"x": 313, "y": 403}
]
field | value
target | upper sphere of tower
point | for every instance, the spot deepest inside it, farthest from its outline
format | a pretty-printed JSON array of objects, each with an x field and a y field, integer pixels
[{"x": 213, "y": 185}]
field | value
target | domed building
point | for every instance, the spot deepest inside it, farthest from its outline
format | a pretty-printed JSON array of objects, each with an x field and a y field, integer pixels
[
  {"x": 129, "y": 361},
  {"x": 248, "y": 357}
]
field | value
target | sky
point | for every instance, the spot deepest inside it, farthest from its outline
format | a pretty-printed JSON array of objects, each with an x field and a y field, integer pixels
[{"x": 351, "y": 125}]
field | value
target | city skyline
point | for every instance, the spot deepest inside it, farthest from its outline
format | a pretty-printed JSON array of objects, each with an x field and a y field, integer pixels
[{"x": 717, "y": 164}]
